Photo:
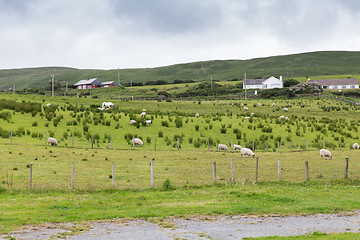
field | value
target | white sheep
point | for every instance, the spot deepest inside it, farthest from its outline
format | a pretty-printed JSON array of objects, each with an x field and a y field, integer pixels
[
  {"x": 100, "y": 108},
  {"x": 197, "y": 115},
  {"x": 236, "y": 147},
  {"x": 246, "y": 108},
  {"x": 48, "y": 105},
  {"x": 143, "y": 114},
  {"x": 273, "y": 104},
  {"x": 259, "y": 104},
  {"x": 325, "y": 153},
  {"x": 287, "y": 119},
  {"x": 144, "y": 110},
  {"x": 247, "y": 117},
  {"x": 132, "y": 122},
  {"x": 247, "y": 152},
  {"x": 252, "y": 114},
  {"x": 52, "y": 141},
  {"x": 107, "y": 105},
  {"x": 148, "y": 122},
  {"x": 356, "y": 146},
  {"x": 222, "y": 147},
  {"x": 137, "y": 141},
  {"x": 285, "y": 109},
  {"x": 282, "y": 117}
]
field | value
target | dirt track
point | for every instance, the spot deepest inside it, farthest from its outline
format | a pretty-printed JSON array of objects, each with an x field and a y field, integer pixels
[{"x": 222, "y": 227}]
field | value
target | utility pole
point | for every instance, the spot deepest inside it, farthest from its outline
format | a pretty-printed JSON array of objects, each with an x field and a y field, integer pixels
[
  {"x": 52, "y": 85},
  {"x": 245, "y": 85},
  {"x": 118, "y": 77}
]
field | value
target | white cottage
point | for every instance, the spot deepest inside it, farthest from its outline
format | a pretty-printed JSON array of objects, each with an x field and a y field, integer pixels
[{"x": 271, "y": 82}]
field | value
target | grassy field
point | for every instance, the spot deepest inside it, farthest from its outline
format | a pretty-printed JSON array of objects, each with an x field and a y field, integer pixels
[{"x": 183, "y": 183}]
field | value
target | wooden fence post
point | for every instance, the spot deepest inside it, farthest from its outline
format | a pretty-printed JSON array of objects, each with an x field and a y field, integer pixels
[
  {"x": 267, "y": 145},
  {"x": 278, "y": 146},
  {"x": 214, "y": 171},
  {"x": 324, "y": 143},
  {"x": 30, "y": 176},
  {"x": 113, "y": 174},
  {"x": 253, "y": 146},
  {"x": 346, "y": 167},
  {"x": 92, "y": 141},
  {"x": 178, "y": 143},
  {"x": 73, "y": 176},
  {"x": 307, "y": 170},
  {"x": 257, "y": 169},
  {"x": 11, "y": 138},
  {"x": 152, "y": 173},
  {"x": 233, "y": 170},
  {"x": 279, "y": 170},
  {"x": 133, "y": 143},
  {"x": 72, "y": 139}
]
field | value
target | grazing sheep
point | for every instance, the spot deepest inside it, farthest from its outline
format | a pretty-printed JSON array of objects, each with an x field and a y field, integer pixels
[
  {"x": 137, "y": 141},
  {"x": 222, "y": 147},
  {"x": 148, "y": 122},
  {"x": 247, "y": 152},
  {"x": 100, "y": 108},
  {"x": 197, "y": 115},
  {"x": 282, "y": 117},
  {"x": 52, "y": 141},
  {"x": 273, "y": 104},
  {"x": 252, "y": 114},
  {"x": 259, "y": 104},
  {"x": 285, "y": 109},
  {"x": 235, "y": 146},
  {"x": 356, "y": 146},
  {"x": 107, "y": 105},
  {"x": 247, "y": 117},
  {"x": 48, "y": 105},
  {"x": 132, "y": 122},
  {"x": 144, "y": 110},
  {"x": 246, "y": 108},
  {"x": 143, "y": 114},
  {"x": 287, "y": 119},
  {"x": 325, "y": 153}
]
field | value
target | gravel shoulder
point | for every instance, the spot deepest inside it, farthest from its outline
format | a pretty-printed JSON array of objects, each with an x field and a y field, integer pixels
[{"x": 219, "y": 227}]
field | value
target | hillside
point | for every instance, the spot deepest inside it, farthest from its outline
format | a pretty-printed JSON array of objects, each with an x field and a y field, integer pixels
[{"x": 295, "y": 65}]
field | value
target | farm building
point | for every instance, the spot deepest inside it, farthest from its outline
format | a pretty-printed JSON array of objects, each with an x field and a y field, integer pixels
[
  {"x": 271, "y": 82},
  {"x": 337, "y": 83},
  {"x": 108, "y": 84},
  {"x": 87, "y": 83}
]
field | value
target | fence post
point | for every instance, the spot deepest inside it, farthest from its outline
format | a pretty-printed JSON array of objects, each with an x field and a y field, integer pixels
[
  {"x": 346, "y": 167},
  {"x": 233, "y": 170},
  {"x": 72, "y": 139},
  {"x": 214, "y": 171},
  {"x": 306, "y": 145},
  {"x": 257, "y": 169},
  {"x": 30, "y": 176},
  {"x": 113, "y": 174},
  {"x": 152, "y": 173},
  {"x": 133, "y": 143},
  {"x": 11, "y": 138},
  {"x": 307, "y": 170},
  {"x": 279, "y": 170},
  {"x": 253, "y": 146},
  {"x": 92, "y": 141},
  {"x": 324, "y": 143},
  {"x": 278, "y": 146},
  {"x": 73, "y": 176},
  {"x": 267, "y": 146},
  {"x": 177, "y": 141}
]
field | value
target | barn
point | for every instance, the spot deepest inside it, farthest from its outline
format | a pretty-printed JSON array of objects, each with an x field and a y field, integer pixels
[
  {"x": 87, "y": 83},
  {"x": 347, "y": 83}
]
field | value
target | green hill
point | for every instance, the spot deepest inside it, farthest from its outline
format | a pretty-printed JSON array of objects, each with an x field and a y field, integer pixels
[{"x": 289, "y": 66}]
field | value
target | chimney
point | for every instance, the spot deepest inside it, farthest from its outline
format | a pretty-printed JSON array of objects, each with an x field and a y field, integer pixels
[{"x": 280, "y": 78}]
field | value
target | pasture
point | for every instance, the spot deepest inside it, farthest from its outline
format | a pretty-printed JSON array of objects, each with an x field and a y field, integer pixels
[{"x": 183, "y": 181}]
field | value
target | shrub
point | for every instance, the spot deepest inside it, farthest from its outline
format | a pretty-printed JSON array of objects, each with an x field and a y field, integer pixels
[
  {"x": 167, "y": 185},
  {"x": 34, "y": 124},
  {"x": 197, "y": 127},
  {"x": 160, "y": 134}
]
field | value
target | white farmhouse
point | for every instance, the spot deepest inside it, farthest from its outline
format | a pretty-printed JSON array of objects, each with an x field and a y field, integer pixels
[
  {"x": 347, "y": 83},
  {"x": 271, "y": 82}
]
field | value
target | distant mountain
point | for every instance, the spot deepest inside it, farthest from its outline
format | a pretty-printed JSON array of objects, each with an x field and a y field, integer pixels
[{"x": 288, "y": 66}]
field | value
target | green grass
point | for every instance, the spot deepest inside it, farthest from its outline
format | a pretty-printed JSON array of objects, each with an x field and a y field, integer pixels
[{"x": 289, "y": 66}]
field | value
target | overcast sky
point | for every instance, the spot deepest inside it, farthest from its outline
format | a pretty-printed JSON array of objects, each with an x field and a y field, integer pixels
[{"x": 110, "y": 34}]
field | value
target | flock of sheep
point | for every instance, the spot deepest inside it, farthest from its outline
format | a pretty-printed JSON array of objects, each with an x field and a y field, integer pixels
[{"x": 245, "y": 152}]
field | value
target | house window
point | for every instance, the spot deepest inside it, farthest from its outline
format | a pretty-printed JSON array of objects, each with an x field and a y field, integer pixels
[
  {"x": 335, "y": 87},
  {"x": 265, "y": 85},
  {"x": 343, "y": 87},
  {"x": 352, "y": 86}
]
